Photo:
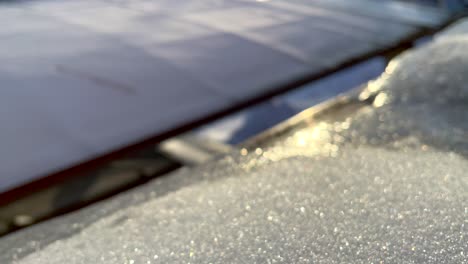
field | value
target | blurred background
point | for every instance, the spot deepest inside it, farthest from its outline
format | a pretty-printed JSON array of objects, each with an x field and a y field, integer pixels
[{"x": 194, "y": 79}]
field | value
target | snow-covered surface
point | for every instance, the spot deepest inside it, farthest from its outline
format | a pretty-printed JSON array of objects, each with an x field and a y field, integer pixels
[
  {"x": 83, "y": 78},
  {"x": 367, "y": 205},
  {"x": 386, "y": 183}
]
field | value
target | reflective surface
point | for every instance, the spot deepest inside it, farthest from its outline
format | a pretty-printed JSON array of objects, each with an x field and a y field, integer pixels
[
  {"x": 84, "y": 78},
  {"x": 240, "y": 126}
]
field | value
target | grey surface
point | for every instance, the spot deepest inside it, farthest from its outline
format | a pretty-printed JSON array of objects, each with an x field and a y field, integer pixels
[
  {"x": 387, "y": 10},
  {"x": 236, "y": 128},
  {"x": 455, "y": 30},
  {"x": 365, "y": 183},
  {"x": 83, "y": 78}
]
